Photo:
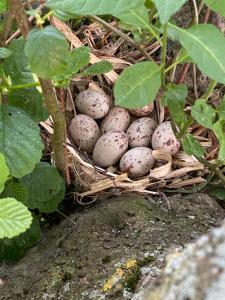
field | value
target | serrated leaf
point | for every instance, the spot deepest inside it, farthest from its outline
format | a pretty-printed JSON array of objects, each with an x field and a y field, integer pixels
[
  {"x": 31, "y": 101},
  {"x": 16, "y": 65},
  {"x": 97, "y": 7},
  {"x": 47, "y": 52},
  {"x": 15, "y": 218},
  {"x": 13, "y": 249},
  {"x": 203, "y": 113},
  {"x": 167, "y": 8},
  {"x": 4, "y": 52},
  {"x": 199, "y": 41},
  {"x": 177, "y": 92},
  {"x": 98, "y": 68},
  {"x": 138, "y": 85},
  {"x": 45, "y": 186},
  {"x": 4, "y": 172},
  {"x": 219, "y": 130},
  {"x": 17, "y": 190},
  {"x": 221, "y": 110},
  {"x": 192, "y": 146},
  {"x": 217, "y": 5},
  {"x": 20, "y": 141}
]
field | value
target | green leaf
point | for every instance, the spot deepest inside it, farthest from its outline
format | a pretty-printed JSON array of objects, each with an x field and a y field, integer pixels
[
  {"x": 20, "y": 141},
  {"x": 205, "y": 44},
  {"x": 98, "y": 68},
  {"x": 3, "y": 6},
  {"x": 217, "y": 5},
  {"x": 31, "y": 101},
  {"x": 203, "y": 113},
  {"x": 192, "y": 146},
  {"x": 17, "y": 190},
  {"x": 137, "y": 17},
  {"x": 219, "y": 193},
  {"x": 221, "y": 110},
  {"x": 4, "y": 52},
  {"x": 13, "y": 249},
  {"x": 16, "y": 65},
  {"x": 138, "y": 85},
  {"x": 177, "y": 92},
  {"x": 97, "y": 7},
  {"x": 47, "y": 52},
  {"x": 167, "y": 8},
  {"x": 4, "y": 172},
  {"x": 64, "y": 16},
  {"x": 15, "y": 218},
  {"x": 219, "y": 130},
  {"x": 45, "y": 186}
]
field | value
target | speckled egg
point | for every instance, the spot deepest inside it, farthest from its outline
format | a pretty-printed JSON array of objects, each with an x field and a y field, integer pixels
[
  {"x": 92, "y": 103},
  {"x": 110, "y": 148},
  {"x": 117, "y": 118},
  {"x": 140, "y": 132},
  {"x": 143, "y": 111},
  {"x": 84, "y": 132},
  {"x": 137, "y": 162},
  {"x": 164, "y": 138}
]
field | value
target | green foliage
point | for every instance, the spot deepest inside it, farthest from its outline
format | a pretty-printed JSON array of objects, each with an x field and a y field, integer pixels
[
  {"x": 4, "y": 172},
  {"x": 218, "y": 5},
  {"x": 167, "y": 8},
  {"x": 2, "y": 6},
  {"x": 219, "y": 130},
  {"x": 192, "y": 146},
  {"x": 205, "y": 44},
  {"x": 45, "y": 186},
  {"x": 203, "y": 113},
  {"x": 219, "y": 193},
  {"x": 221, "y": 110},
  {"x": 15, "y": 218},
  {"x": 17, "y": 190},
  {"x": 137, "y": 17},
  {"x": 138, "y": 85},
  {"x": 4, "y": 52},
  {"x": 47, "y": 44},
  {"x": 98, "y": 68},
  {"x": 20, "y": 141}
]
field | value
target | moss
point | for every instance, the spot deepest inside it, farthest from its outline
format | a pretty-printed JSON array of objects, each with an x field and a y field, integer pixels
[{"x": 131, "y": 278}]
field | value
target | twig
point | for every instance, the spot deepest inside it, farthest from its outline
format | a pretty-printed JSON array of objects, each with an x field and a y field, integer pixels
[
  {"x": 196, "y": 11},
  {"x": 128, "y": 39}
]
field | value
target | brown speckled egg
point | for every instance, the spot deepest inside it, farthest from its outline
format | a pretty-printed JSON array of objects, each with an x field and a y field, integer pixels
[
  {"x": 117, "y": 118},
  {"x": 143, "y": 111},
  {"x": 92, "y": 103},
  {"x": 163, "y": 138},
  {"x": 140, "y": 132},
  {"x": 110, "y": 148},
  {"x": 137, "y": 162},
  {"x": 84, "y": 132}
]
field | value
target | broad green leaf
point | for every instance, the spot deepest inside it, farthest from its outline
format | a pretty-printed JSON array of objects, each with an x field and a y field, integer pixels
[
  {"x": 3, "y": 6},
  {"x": 64, "y": 16},
  {"x": 167, "y": 8},
  {"x": 221, "y": 110},
  {"x": 217, "y": 5},
  {"x": 4, "y": 172},
  {"x": 47, "y": 52},
  {"x": 219, "y": 193},
  {"x": 192, "y": 146},
  {"x": 203, "y": 113},
  {"x": 96, "y": 7},
  {"x": 98, "y": 68},
  {"x": 219, "y": 130},
  {"x": 205, "y": 44},
  {"x": 16, "y": 65},
  {"x": 20, "y": 141},
  {"x": 45, "y": 186},
  {"x": 17, "y": 190},
  {"x": 177, "y": 92},
  {"x": 31, "y": 101},
  {"x": 138, "y": 85},
  {"x": 15, "y": 218},
  {"x": 13, "y": 249},
  {"x": 137, "y": 17},
  {"x": 4, "y": 52}
]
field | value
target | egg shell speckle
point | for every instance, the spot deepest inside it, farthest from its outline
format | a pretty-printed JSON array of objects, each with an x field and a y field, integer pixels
[
  {"x": 143, "y": 111},
  {"x": 117, "y": 118},
  {"x": 163, "y": 138},
  {"x": 137, "y": 162},
  {"x": 110, "y": 148},
  {"x": 92, "y": 103},
  {"x": 140, "y": 132},
  {"x": 84, "y": 132}
]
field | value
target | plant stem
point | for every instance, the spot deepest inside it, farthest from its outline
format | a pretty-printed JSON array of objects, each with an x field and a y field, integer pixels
[
  {"x": 128, "y": 39},
  {"x": 24, "y": 86},
  {"x": 164, "y": 48},
  {"x": 6, "y": 28},
  {"x": 209, "y": 92},
  {"x": 58, "y": 117},
  {"x": 180, "y": 60},
  {"x": 152, "y": 14}
]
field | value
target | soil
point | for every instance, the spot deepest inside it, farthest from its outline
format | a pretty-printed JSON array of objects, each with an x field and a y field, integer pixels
[{"x": 110, "y": 250}]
